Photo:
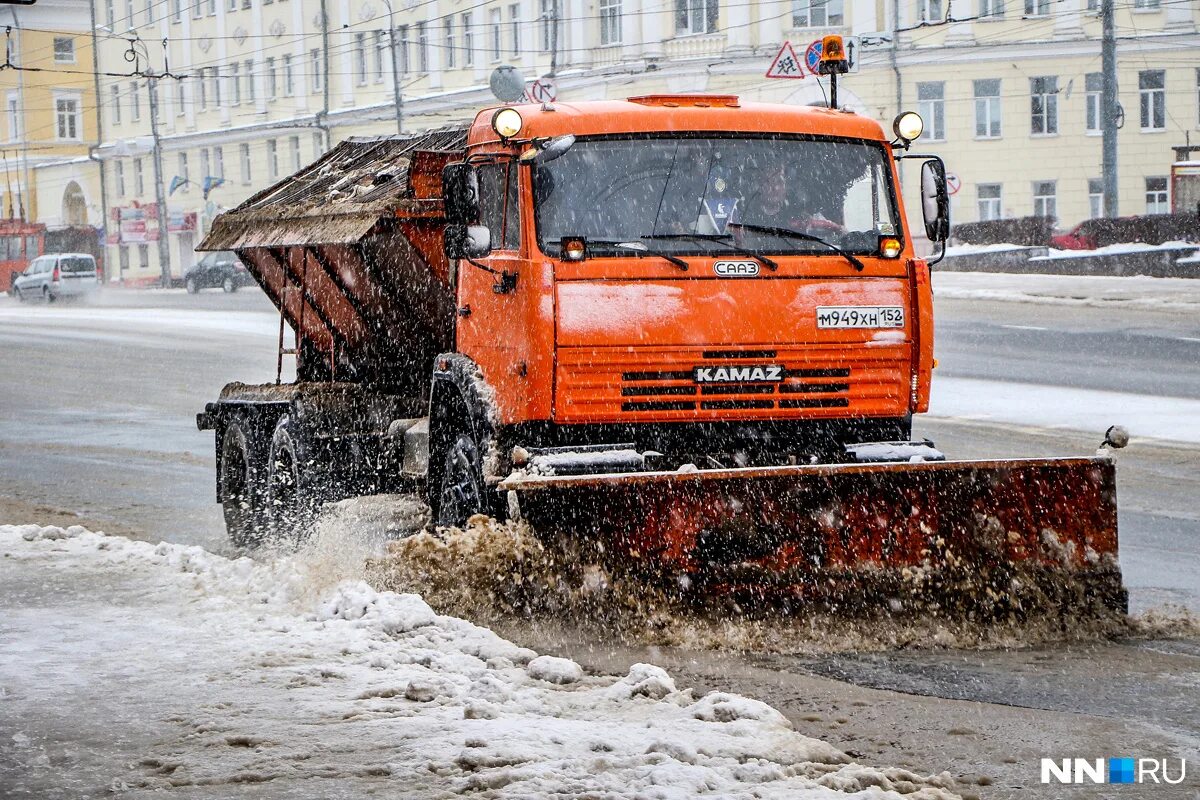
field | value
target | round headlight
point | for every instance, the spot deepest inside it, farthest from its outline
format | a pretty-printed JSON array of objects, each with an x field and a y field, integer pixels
[
  {"x": 506, "y": 123},
  {"x": 908, "y": 126}
]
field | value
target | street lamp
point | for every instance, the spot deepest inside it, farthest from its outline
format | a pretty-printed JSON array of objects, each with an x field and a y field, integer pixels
[{"x": 396, "y": 101}]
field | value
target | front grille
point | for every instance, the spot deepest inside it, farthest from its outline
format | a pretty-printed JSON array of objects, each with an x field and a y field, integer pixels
[{"x": 615, "y": 384}]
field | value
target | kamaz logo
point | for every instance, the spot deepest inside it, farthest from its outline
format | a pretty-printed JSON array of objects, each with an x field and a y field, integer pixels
[
  {"x": 748, "y": 374},
  {"x": 736, "y": 269}
]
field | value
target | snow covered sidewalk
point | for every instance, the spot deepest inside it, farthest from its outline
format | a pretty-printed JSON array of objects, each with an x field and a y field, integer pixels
[
  {"x": 136, "y": 668},
  {"x": 1134, "y": 291}
]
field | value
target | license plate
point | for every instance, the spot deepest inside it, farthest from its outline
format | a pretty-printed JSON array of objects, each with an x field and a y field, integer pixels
[{"x": 860, "y": 316}]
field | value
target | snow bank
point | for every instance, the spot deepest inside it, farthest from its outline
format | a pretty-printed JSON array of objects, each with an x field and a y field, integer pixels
[
  {"x": 1098, "y": 291},
  {"x": 376, "y": 687}
]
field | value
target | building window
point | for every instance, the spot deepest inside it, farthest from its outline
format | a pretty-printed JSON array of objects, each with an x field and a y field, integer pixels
[
  {"x": 1044, "y": 204},
  {"x": 149, "y": 12},
  {"x": 380, "y": 54},
  {"x": 110, "y": 12},
  {"x": 64, "y": 50},
  {"x": 468, "y": 41},
  {"x": 231, "y": 6},
  {"x": 249, "y": 80},
  {"x": 1156, "y": 196},
  {"x": 244, "y": 156},
  {"x": 987, "y": 108},
  {"x": 696, "y": 16},
  {"x": 929, "y": 10},
  {"x": 422, "y": 47},
  {"x": 1152, "y": 89},
  {"x": 135, "y": 102},
  {"x": 1095, "y": 198},
  {"x": 211, "y": 7},
  {"x": 545, "y": 18},
  {"x": 448, "y": 27},
  {"x": 197, "y": 9},
  {"x": 202, "y": 88},
  {"x": 120, "y": 179},
  {"x": 246, "y": 4},
  {"x": 66, "y": 111},
  {"x": 314, "y": 69},
  {"x": 139, "y": 178},
  {"x": 988, "y": 195},
  {"x": 1043, "y": 105},
  {"x": 272, "y": 159},
  {"x": 176, "y": 11},
  {"x": 289, "y": 82},
  {"x": 235, "y": 85},
  {"x": 514, "y": 30},
  {"x": 269, "y": 66},
  {"x": 497, "y": 33},
  {"x": 143, "y": 257},
  {"x": 123, "y": 258},
  {"x": 817, "y": 13},
  {"x": 931, "y": 105},
  {"x": 402, "y": 44},
  {"x": 360, "y": 59},
  {"x": 14, "y": 117},
  {"x": 1093, "y": 84},
  {"x": 115, "y": 104},
  {"x": 204, "y": 165},
  {"x": 183, "y": 170},
  {"x": 1147, "y": 5},
  {"x": 993, "y": 9},
  {"x": 294, "y": 147},
  {"x": 1037, "y": 8},
  {"x": 214, "y": 79},
  {"x": 219, "y": 163},
  {"x": 610, "y": 22}
]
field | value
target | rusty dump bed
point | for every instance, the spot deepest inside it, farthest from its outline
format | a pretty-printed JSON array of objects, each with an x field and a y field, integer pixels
[
  {"x": 988, "y": 537},
  {"x": 350, "y": 249}
]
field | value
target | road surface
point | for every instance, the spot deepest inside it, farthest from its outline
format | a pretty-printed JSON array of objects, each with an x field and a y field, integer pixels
[{"x": 99, "y": 430}]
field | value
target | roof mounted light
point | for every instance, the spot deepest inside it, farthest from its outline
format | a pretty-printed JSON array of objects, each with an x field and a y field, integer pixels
[
  {"x": 507, "y": 123},
  {"x": 908, "y": 126}
]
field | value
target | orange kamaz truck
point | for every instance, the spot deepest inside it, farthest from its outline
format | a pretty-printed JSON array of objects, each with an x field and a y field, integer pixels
[{"x": 691, "y": 328}]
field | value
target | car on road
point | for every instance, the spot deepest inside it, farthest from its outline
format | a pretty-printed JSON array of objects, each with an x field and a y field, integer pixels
[
  {"x": 57, "y": 275},
  {"x": 221, "y": 269}
]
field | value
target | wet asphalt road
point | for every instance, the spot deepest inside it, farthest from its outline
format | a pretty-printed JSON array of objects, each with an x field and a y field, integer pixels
[{"x": 98, "y": 428}]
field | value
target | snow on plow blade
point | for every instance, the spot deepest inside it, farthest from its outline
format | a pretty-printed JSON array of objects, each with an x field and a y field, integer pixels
[{"x": 991, "y": 538}]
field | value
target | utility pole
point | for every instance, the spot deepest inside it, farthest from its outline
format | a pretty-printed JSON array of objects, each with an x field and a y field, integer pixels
[
  {"x": 325, "y": 72},
  {"x": 396, "y": 99},
  {"x": 104, "y": 221},
  {"x": 1108, "y": 107},
  {"x": 553, "y": 38},
  {"x": 164, "y": 246}
]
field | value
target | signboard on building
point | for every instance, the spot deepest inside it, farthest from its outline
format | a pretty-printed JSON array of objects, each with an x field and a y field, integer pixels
[
  {"x": 132, "y": 225},
  {"x": 180, "y": 221}
]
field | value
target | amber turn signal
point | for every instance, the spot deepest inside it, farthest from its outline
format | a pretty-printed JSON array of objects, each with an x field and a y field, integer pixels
[
  {"x": 572, "y": 248},
  {"x": 889, "y": 247}
]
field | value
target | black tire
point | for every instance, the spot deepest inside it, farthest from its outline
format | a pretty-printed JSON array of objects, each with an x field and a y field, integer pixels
[
  {"x": 461, "y": 489},
  {"x": 241, "y": 489},
  {"x": 192, "y": 286},
  {"x": 291, "y": 501},
  {"x": 229, "y": 286},
  {"x": 47, "y": 295}
]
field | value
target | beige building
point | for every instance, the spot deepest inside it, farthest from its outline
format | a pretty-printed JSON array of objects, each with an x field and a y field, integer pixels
[{"x": 1010, "y": 94}]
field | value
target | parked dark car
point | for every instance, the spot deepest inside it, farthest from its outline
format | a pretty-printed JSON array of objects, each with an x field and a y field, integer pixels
[{"x": 221, "y": 269}]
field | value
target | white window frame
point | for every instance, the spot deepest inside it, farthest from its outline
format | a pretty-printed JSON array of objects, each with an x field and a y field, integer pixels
[
  {"x": 496, "y": 24},
  {"x": 381, "y": 47},
  {"x": 315, "y": 70},
  {"x": 694, "y": 17},
  {"x": 610, "y": 22},
  {"x": 114, "y": 105},
  {"x": 989, "y": 110},
  {"x": 818, "y": 13},
  {"x": 989, "y": 208},
  {"x": 422, "y": 47},
  {"x": 933, "y": 109},
  {"x": 1049, "y": 103},
  {"x": 219, "y": 162},
  {"x": 12, "y": 107},
  {"x": 272, "y": 91},
  {"x": 991, "y": 9},
  {"x": 449, "y": 49},
  {"x": 273, "y": 159},
  {"x": 294, "y": 149},
  {"x": 1092, "y": 102},
  {"x": 360, "y": 58},
  {"x": 1158, "y": 200},
  {"x": 67, "y": 54},
  {"x": 235, "y": 84},
  {"x": 250, "y": 69},
  {"x": 246, "y": 167},
  {"x": 468, "y": 26},
  {"x": 120, "y": 178},
  {"x": 1045, "y": 205},
  {"x": 74, "y": 118},
  {"x": 1037, "y": 8},
  {"x": 514, "y": 42},
  {"x": 289, "y": 79},
  {"x": 139, "y": 178},
  {"x": 930, "y": 11},
  {"x": 1152, "y": 102},
  {"x": 1095, "y": 198},
  {"x": 184, "y": 171}
]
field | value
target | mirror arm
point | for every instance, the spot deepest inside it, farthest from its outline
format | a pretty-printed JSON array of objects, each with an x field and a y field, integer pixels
[
  {"x": 941, "y": 255},
  {"x": 506, "y": 281}
]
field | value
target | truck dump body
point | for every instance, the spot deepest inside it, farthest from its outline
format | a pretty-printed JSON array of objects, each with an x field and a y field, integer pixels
[{"x": 350, "y": 251}]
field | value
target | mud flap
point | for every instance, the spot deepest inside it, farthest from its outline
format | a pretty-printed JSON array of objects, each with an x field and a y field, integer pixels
[{"x": 990, "y": 538}]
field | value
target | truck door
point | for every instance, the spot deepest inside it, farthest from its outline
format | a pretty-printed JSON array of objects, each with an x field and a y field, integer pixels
[{"x": 497, "y": 293}]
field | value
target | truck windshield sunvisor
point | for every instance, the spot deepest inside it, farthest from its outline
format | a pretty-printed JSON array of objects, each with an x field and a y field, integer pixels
[{"x": 664, "y": 188}]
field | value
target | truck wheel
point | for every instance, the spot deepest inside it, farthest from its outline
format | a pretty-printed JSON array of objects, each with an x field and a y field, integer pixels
[
  {"x": 462, "y": 487},
  {"x": 241, "y": 491},
  {"x": 192, "y": 286},
  {"x": 290, "y": 499}
]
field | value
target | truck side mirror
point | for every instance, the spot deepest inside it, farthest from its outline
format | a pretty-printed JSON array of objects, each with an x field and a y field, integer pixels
[
  {"x": 935, "y": 200},
  {"x": 460, "y": 194},
  {"x": 467, "y": 241}
]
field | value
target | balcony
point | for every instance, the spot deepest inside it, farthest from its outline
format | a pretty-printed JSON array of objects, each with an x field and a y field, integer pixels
[{"x": 700, "y": 45}]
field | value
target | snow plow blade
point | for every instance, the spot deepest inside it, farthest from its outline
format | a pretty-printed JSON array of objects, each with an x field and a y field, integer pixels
[{"x": 961, "y": 538}]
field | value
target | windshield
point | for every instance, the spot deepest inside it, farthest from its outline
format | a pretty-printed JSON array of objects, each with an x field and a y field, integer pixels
[{"x": 620, "y": 190}]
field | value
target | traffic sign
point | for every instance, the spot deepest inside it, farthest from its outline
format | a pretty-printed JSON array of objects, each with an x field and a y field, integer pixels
[
  {"x": 953, "y": 183},
  {"x": 543, "y": 90},
  {"x": 812, "y": 56},
  {"x": 785, "y": 64}
]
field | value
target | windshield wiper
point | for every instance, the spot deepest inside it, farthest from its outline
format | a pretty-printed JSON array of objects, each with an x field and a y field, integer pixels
[
  {"x": 641, "y": 249},
  {"x": 807, "y": 237},
  {"x": 722, "y": 239}
]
